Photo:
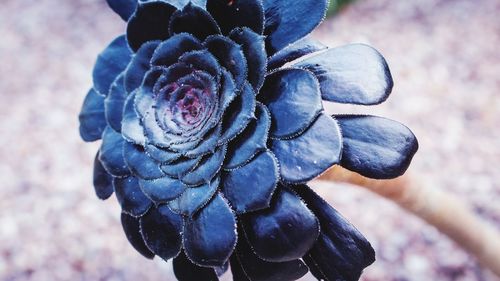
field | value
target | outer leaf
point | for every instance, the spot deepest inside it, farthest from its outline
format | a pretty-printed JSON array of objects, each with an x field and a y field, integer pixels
[
  {"x": 92, "y": 118},
  {"x": 283, "y": 232},
  {"x": 110, "y": 63},
  {"x": 139, "y": 66},
  {"x": 162, "y": 230},
  {"x": 355, "y": 74},
  {"x": 169, "y": 51},
  {"x": 310, "y": 154},
  {"x": 294, "y": 101},
  {"x": 130, "y": 196},
  {"x": 289, "y": 20},
  {"x": 207, "y": 169},
  {"x": 124, "y": 8},
  {"x": 185, "y": 270},
  {"x": 148, "y": 23},
  {"x": 111, "y": 155},
  {"x": 250, "y": 187},
  {"x": 341, "y": 252},
  {"x": 210, "y": 237},
  {"x": 297, "y": 50},
  {"x": 193, "y": 20},
  {"x": 376, "y": 147},
  {"x": 162, "y": 190},
  {"x": 246, "y": 266},
  {"x": 114, "y": 102},
  {"x": 131, "y": 227},
  {"x": 139, "y": 163},
  {"x": 103, "y": 182},
  {"x": 232, "y": 14},
  {"x": 195, "y": 198}
]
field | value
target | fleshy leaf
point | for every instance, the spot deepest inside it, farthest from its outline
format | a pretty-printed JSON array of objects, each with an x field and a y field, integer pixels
[
  {"x": 250, "y": 267},
  {"x": 132, "y": 129},
  {"x": 232, "y": 14},
  {"x": 297, "y": 50},
  {"x": 228, "y": 90},
  {"x": 185, "y": 270},
  {"x": 238, "y": 114},
  {"x": 341, "y": 252},
  {"x": 114, "y": 102},
  {"x": 110, "y": 63},
  {"x": 162, "y": 190},
  {"x": 130, "y": 196},
  {"x": 103, "y": 182},
  {"x": 92, "y": 117},
  {"x": 149, "y": 22},
  {"x": 254, "y": 49},
  {"x": 355, "y": 74},
  {"x": 180, "y": 167},
  {"x": 230, "y": 56},
  {"x": 161, "y": 230},
  {"x": 162, "y": 155},
  {"x": 139, "y": 163},
  {"x": 294, "y": 101},
  {"x": 194, "y": 198},
  {"x": 139, "y": 66},
  {"x": 251, "y": 141},
  {"x": 124, "y": 8},
  {"x": 131, "y": 227},
  {"x": 193, "y": 20},
  {"x": 169, "y": 51},
  {"x": 111, "y": 155},
  {"x": 283, "y": 232},
  {"x": 250, "y": 188},
  {"x": 307, "y": 156},
  {"x": 210, "y": 236},
  {"x": 206, "y": 170},
  {"x": 376, "y": 147},
  {"x": 202, "y": 60},
  {"x": 289, "y": 20}
]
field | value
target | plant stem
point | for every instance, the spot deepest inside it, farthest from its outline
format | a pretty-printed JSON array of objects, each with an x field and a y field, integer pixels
[{"x": 446, "y": 212}]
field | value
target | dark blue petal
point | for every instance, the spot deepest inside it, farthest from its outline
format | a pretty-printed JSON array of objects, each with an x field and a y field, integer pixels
[
  {"x": 162, "y": 155},
  {"x": 208, "y": 144},
  {"x": 283, "y": 232},
  {"x": 148, "y": 23},
  {"x": 194, "y": 198},
  {"x": 307, "y": 156},
  {"x": 250, "y": 267},
  {"x": 132, "y": 129},
  {"x": 254, "y": 49},
  {"x": 139, "y": 163},
  {"x": 228, "y": 90},
  {"x": 132, "y": 230},
  {"x": 289, "y": 20},
  {"x": 111, "y": 155},
  {"x": 124, "y": 8},
  {"x": 251, "y": 187},
  {"x": 202, "y": 60},
  {"x": 294, "y": 100},
  {"x": 238, "y": 114},
  {"x": 210, "y": 236},
  {"x": 251, "y": 141},
  {"x": 230, "y": 56},
  {"x": 161, "y": 230},
  {"x": 206, "y": 170},
  {"x": 110, "y": 63},
  {"x": 297, "y": 50},
  {"x": 341, "y": 252},
  {"x": 114, "y": 102},
  {"x": 355, "y": 74},
  {"x": 232, "y": 14},
  {"x": 92, "y": 118},
  {"x": 130, "y": 196},
  {"x": 180, "y": 167},
  {"x": 376, "y": 147},
  {"x": 185, "y": 270},
  {"x": 169, "y": 51},
  {"x": 193, "y": 20},
  {"x": 139, "y": 66},
  {"x": 103, "y": 182},
  {"x": 162, "y": 190}
]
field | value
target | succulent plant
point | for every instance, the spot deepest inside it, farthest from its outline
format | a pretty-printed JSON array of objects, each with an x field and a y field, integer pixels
[{"x": 212, "y": 122}]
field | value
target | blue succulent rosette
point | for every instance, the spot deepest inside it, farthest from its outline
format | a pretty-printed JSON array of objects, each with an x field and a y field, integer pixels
[{"x": 212, "y": 122}]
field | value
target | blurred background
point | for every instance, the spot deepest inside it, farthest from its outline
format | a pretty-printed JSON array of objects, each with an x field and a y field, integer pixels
[{"x": 445, "y": 59}]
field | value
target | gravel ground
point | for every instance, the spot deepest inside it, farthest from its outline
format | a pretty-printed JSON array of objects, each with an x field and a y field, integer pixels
[{"x": 445, "y": 61}]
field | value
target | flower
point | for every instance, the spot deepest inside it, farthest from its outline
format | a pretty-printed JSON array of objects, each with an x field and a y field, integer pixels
[{"x": 212, "y": 122}]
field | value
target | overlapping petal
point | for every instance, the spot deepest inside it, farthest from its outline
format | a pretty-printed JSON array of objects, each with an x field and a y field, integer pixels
[{"x": 92, "y": 117}]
